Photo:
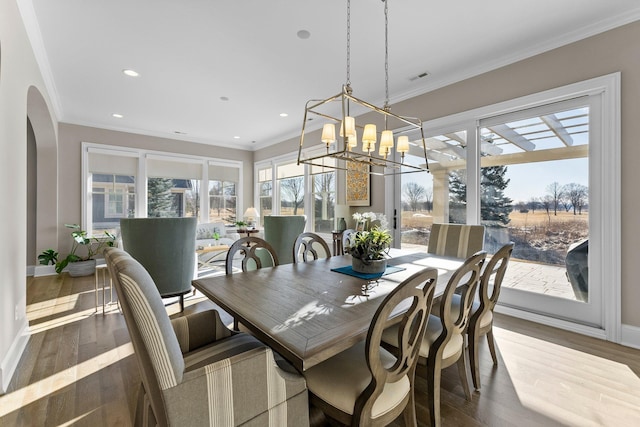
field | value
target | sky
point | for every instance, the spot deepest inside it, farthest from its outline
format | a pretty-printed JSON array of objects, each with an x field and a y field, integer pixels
[{"x": 531, "y": 179}]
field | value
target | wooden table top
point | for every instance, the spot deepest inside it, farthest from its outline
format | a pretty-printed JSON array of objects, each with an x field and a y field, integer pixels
[{"x": 307, "y": 312}]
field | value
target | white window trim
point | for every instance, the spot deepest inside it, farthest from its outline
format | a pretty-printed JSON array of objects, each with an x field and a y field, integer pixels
[
  {"x": 609, "y": 187},
  {"x": 141, "y": 181}
]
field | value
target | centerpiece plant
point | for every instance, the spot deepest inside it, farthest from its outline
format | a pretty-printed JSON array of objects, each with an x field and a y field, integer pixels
[{"x": 370, "y": 250}]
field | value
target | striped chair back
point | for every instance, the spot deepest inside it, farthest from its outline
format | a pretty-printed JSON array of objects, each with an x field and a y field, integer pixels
[{"x": 456, "y": 240}]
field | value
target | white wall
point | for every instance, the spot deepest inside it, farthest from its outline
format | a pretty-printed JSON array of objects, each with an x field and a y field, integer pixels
[{"x": 18, "y": 72}]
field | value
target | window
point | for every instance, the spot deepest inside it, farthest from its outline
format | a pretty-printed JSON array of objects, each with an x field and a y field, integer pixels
[
  {"x": 298, "y": 190},
  {"x": 123, "y": 183},
  {"x": 542, "y": 171},
  {"x": 112, "y": 196},
  {"x": 291, "y": 189},
  {"x": 265, "y": 191}
]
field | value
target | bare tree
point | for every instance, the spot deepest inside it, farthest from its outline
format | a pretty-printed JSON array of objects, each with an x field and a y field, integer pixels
[
  {"x": 215, "y": 196},
  {"x": 533, "y": 204},
  {"x": 555, "y": 191},
  {"x": 414, "y": 193},
  {"x": 547, "y": 201},
  {"x": 292, "y": 191},
  {"x": 429, "y": 199},
  {"x": 578, "y": 195}
]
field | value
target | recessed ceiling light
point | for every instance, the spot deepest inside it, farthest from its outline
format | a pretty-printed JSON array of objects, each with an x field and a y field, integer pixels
[
  {"x": 236, "y": 137},
  {"x": 284, "y": 115},
  {"x": 117, "y": 116},
  {"x": 131, "y": 73},
  {"x": 303, "y": 34},
  {"x": 224, "y": 98}
]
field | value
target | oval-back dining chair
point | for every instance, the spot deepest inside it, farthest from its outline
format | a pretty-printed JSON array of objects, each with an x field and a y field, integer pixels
[
  {"x": 443, "y": 343},
  {"x": 366, "y": 384},
  {"x": 309, "y": 247},
  {"x": 253, "y": 253},
  {"x": 481, "y": 320}
]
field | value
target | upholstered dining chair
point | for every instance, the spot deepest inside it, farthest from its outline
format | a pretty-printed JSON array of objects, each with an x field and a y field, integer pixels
[
  {"x": 253, "y": 253},
  {"x": 194, "y": 370},
  {"x": 443, "y": 343},
  {"x": 456, "y": 240},
  {"x": 481, "y": 317},
  {"x": 309, "y": 246},
  {"x": 366, "y": 385},
  {"x": 166, "y": 249}
]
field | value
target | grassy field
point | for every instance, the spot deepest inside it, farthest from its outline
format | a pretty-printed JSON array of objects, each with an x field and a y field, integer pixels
[{"x": 537, "y": 236}]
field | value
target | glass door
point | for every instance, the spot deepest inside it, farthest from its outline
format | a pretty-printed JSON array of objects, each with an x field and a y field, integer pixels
[
  {"x": 525, "y": 176},
  {"x": 534, "y": 191}
]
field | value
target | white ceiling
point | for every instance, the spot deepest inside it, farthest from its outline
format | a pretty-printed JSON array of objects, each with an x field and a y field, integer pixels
[{"x": 190, "y": 53}]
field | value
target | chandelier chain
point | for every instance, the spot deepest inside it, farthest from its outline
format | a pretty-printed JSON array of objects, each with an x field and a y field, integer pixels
[
  {"x": 348, "y": 43},
  {"x": 386, "y": 53}
]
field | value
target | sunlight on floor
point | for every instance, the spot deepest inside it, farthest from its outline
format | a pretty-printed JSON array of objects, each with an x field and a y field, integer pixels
[
  {"x": 570, "y": 396},
  {"x": 57, "y": 305},
  {"x": 75, "y": 316},
  {"x": 15, "y": 400}
]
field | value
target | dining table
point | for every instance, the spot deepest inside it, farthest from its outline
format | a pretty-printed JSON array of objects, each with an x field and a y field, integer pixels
[{"x": 311, "y": 311}]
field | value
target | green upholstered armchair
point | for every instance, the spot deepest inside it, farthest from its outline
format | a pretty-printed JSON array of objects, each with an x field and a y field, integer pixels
[
  {"x": 281, "y": 232},
  {"x": 166, "y": 249},
  {"x": 197, "y": 372}
]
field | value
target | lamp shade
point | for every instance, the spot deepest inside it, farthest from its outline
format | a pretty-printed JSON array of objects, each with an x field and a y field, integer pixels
[
  {"x": 369, "y": 135},
  {"x": 352, "y": 140},
  {"x": 251, "y": 213},
  {"x": 386, "y": 140},
  {"x": 403, "y": 144},
  {"x": 328, "y": 133},
  {"x": 348, "y": 124}
]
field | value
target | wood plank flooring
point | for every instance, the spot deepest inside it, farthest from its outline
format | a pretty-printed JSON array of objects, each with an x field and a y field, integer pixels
[{"x": 79, "y": 369}]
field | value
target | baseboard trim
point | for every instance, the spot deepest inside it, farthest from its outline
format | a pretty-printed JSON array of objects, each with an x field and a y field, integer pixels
[
  {"x": 43, "y": 270},
  {"x": 630, "y": 336},
  {"x": 550, "y": 321},
  {"x": 10, "y": 362}
]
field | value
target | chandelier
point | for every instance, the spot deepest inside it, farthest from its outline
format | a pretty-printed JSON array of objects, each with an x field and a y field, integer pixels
[{"x": 347, "y": 148}]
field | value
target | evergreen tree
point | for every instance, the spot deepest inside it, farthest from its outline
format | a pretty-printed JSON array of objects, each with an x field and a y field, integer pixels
[
  {"x": 495, "y": 207},
  {"x": 159, "y": 199}
]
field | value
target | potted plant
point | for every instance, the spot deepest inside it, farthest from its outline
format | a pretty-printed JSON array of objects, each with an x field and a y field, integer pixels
[
  {"x": 48, "y": 256},
  {"x": 79, "y": 265},
  {"x": 369, "y": 250}
]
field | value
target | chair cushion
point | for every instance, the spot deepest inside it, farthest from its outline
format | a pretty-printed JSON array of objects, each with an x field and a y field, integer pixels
[
  {"x": 434, "y": 329},
  {"x": 341, "y": 379}
]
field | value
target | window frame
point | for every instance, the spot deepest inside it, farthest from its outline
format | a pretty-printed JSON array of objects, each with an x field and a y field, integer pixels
[
  {"x": 604, "y": 185},
  {"x": 142, "y": 156}
]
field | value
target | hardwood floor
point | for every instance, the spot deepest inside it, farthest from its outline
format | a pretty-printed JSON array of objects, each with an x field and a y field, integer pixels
[{"x": 79, "y": 369}]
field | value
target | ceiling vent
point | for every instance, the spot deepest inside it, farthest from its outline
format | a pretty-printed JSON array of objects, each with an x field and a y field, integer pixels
[{"x": 419, "y": 76}]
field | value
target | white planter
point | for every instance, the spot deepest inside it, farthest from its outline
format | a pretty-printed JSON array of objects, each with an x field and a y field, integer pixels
[{"x": 82, "y": 268}]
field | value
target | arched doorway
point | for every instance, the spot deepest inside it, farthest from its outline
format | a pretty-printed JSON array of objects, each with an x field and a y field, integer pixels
[{"x": 42, "y": 232}]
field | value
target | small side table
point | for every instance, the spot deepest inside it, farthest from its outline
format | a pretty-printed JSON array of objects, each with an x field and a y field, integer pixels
[
  {"x": 101, "y": 270},
  {"x": 248, "y": 231},
  {"x": 337, "y": 242}
]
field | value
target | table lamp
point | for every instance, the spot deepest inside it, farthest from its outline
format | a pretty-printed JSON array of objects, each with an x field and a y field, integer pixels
[{"x": 251, "y": 214}]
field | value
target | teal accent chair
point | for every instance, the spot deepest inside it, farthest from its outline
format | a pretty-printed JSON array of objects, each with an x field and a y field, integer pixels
[
  {"x": 166, "y": 249},
  {"x": 281, "y": 232}
]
